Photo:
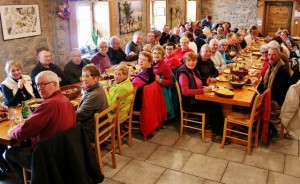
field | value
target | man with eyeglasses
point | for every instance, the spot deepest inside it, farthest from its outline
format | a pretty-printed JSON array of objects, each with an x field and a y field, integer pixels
[
  {"x": 56, "y": 114},
  {"x": 73, "y": 68},
  {"x": 45, "y": 63},
  {"x": 171, "y": 57}
]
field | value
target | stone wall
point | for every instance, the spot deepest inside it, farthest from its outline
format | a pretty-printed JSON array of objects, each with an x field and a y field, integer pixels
[
  {"x": 240, "y": 13},
  {"x": 54, "y": 36}
]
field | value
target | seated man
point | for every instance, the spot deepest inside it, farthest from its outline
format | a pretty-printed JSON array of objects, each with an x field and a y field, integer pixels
[
  {"x": 149, "y": 43},
  {"x": 276, "y": 77},
  {"x": 73, "y": 68},
  {"x": 135, "y": 45},
  {"x": 45, "y": 63},
  {"x": 115, "y": 53},
  {"x": 206, "y": 66},
  {"x": 56, "y": 114}
]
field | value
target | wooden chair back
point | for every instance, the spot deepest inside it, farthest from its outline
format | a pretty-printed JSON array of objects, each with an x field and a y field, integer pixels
[
  {"x": 105, "y": 131},
  {"x": 124, "y": 113}
]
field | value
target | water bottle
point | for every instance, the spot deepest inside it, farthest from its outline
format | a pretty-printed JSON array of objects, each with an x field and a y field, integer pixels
[{"x": 24, "y": 111}]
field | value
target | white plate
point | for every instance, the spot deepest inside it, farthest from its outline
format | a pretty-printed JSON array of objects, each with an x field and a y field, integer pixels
[
  {"x": 227, "y": 71},
  {"x": 223, "y": 79}
]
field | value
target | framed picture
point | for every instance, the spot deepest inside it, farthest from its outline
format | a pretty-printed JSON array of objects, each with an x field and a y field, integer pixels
[
  {"x": 130, "y": 16},
  {"x": 20, "y": 21}
]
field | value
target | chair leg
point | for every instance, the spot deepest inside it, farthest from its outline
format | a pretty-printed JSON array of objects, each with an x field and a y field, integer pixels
[
  {"x": 249, "y": 140},
  {"x": 119, "y": 139},
  {"x": 281, "y": 131},
  {"x": 113, "y": 154},
  {"x": 224, "y": 133},
  {"x": 256, "y": 134},
  {"x": 130, "y": 132},
  {"x": 181, "y": 124}
]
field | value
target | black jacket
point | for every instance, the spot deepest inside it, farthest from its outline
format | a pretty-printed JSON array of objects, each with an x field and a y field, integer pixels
[{"x": 66, "y": 158}]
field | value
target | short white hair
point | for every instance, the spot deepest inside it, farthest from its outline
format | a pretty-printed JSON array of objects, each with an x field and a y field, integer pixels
[{"x": 48, "y": 75}]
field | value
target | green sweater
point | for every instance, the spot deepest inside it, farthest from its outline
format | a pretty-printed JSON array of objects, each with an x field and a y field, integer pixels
[{"x": 119, "y": 90}]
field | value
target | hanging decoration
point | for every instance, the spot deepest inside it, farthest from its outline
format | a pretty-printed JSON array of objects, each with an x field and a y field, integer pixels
[{"x": 63, "y": 11}]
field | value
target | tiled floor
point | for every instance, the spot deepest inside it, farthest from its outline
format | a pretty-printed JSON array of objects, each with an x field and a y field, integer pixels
[{"x": 167, "y": 158}]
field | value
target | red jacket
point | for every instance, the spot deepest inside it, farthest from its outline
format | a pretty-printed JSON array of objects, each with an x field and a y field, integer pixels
[{"x": 153, "y": 110}]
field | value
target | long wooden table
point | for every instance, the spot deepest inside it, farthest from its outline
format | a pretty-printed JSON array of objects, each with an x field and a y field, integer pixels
[{"x": 242, "y": 97}]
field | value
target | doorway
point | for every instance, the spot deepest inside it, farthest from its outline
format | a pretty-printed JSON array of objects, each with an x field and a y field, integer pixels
[{"x": 277, "y": 15}]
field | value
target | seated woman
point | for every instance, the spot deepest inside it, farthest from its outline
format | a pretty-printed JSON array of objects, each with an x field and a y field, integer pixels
[
  {"x": 163, "y": 75},
  {"x": 191, "y": 85},
  {"x": 17, "y": 87},
  {"x": 222, "y": 49},
  {"x": 144, "y": 77},
  {"x": 94, "y": 100},
  {"x": 101, "y": 59},
  {"x": 120, "y": 87},
  {"x": 184, "y": 48}
]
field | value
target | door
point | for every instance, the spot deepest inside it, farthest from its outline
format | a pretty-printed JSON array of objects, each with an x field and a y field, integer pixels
[{"x": 277, "y": 15}]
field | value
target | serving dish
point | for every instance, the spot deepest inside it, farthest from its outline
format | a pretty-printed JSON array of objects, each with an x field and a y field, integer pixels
[
  {"x": 222, "y": 78},
  {"x": 237, "y": 83},
  {"x": 71, "y": 91},
  {"x": 226, "y": 93}
]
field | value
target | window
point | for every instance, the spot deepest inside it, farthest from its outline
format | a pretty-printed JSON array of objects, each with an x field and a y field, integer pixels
[
  {"x": 191, "y": 10},
  {"x": 84, "y": 25},
  {"x": 158, "y": 14}
]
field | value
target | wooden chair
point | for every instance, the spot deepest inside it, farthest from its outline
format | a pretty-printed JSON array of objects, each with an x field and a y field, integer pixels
[
  {"x": 26, "y": 175},
  {"x": 105, "y": 132},
  {"x": 191, "y": 123},
  {"x": 245, "y": 120},
  {"x": 124, "y": 112}
]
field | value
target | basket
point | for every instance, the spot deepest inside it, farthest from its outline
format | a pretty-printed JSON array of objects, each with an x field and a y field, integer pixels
[
  {"x": 242, "y": 72},
  {"x": 71, "y": 91},
  {"x": 237, "y": 84}
]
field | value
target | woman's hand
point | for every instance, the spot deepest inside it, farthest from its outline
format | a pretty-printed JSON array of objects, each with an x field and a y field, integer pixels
[
  {"x": 157, "y": 78},
  {"x": 207, "y": 89},
  {"x": 211, "y": 80},
  {"x": 21, "y": 83}
]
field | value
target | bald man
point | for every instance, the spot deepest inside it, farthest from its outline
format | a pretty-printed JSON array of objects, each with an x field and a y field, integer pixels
[
  {"x": 206, "y": 66},
  {"x": 73, "y": 68}
]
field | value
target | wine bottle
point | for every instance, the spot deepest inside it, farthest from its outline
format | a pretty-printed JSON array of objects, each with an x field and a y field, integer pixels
[{"x": 24, "y": 110}]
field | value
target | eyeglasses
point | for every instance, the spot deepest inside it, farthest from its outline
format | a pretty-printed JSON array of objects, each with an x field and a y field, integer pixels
[
  {"x": 42, "y": 85},
  {"x": 144, "y": 60},
  {"x": 184, "y": 42},
  {"x": 103, "y": 47},
  {"x": 264, "y": 52},
  {"x": 169, "y": 48}
]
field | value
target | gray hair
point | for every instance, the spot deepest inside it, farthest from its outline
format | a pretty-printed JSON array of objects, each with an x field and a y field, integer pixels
[
  {"x": 9, "y": 63},
  {"x": 102, "y": 42},
  {"x": 49, "y": 75},
  {"x": 224, "y": 41},
  {"x": 264, "y": 48},
  {"x": 275, "y": 48},
  {"x": 274, "y": 43},
  {"x": 214, "y": 40},
  {"x": 137, "y": 34},
  {"x": 75, "y": 50},
  {"x": 113, "y": 39}
]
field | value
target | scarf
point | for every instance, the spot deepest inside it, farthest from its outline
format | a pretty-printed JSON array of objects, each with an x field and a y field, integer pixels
[
  {"x": 13, "y": 85},
  {"x": 271, "y": 73}
]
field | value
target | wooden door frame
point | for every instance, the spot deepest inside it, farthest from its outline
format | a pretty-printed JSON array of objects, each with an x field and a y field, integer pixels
[{"x": 267, "y": 9}]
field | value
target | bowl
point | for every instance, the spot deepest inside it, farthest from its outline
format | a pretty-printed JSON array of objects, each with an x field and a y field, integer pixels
[
  {"x": 241, "y": 72},
  {"x": 237, "y": 83},
  {"x": 32, "y": 104},
  {"x": 71, "y": 91}
]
